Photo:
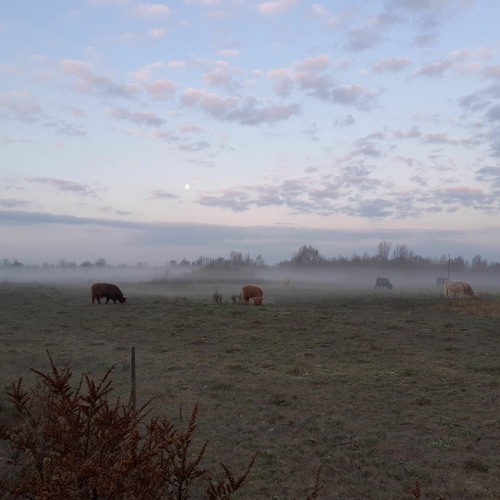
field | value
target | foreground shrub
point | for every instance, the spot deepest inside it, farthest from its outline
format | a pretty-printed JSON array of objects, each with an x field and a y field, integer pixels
[{"x": 70, "y": 442}]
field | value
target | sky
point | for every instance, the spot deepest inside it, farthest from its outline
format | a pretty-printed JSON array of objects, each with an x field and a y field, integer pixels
[{"x": 149, "y": 132}]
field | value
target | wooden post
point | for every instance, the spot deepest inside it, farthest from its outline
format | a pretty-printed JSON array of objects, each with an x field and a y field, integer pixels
[{"x": 133, "y": 395}]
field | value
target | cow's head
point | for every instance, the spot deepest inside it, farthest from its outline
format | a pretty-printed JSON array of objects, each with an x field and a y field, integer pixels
[
  {"x": 122, "y": 299},
  {"x": 257, "y": 301}
]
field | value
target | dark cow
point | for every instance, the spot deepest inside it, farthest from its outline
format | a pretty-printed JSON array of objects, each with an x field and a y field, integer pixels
[
  {"x": 107, "y": 291},
  {"x": 458, "y": 290},
  {"x": 383, "y": 283},
  {"x": 440, "y": 281},
  {"x": 251, "y": 292}
]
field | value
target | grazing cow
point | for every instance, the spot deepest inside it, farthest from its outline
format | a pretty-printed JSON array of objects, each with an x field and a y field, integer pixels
[
  {"x": 440, "y": 281},
  {"x": 107, "y": 291},
  {"x": 252, "y": 292},
  {"x": 383, "y": 283},
  {"x": 458, "y": 290}
]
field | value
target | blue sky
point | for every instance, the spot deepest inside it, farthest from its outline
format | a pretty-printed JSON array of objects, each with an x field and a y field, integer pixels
[{"x": 137, "y": 131}]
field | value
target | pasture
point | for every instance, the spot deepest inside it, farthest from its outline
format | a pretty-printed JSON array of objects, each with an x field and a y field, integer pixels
[{"x": 380, "y": 388}]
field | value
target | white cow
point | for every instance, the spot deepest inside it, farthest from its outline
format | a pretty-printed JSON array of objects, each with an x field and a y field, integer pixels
[{"x": 458, "y": 290}]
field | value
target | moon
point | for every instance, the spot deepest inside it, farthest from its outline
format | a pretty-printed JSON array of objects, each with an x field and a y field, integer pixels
[{"x": 187, "y": 186}]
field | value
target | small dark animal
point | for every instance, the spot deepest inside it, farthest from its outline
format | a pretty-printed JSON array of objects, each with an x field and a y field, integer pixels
[
  {"x": 217, "y": 297},
  {"x": 252, "y": 292},
  {"x": 440, "y": 281},
  {"x": 107, "y": 291},
  {"x": 383, "y": 283}
]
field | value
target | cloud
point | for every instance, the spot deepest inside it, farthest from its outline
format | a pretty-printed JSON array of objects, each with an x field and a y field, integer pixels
[
  {"x": 160, "y": 90},
  {"x": 109, "y": 2},
  {"x": 154, "y": 10},
  {"x": 314, "y": 76},
  {"x": 309, "y": 75},
  {"x": 63, "y": 185},
  {"x": 147, "y": 118},
  {"x": 490, "y": 175},
  {"x": 19, "y": 105},
  {"x": 391, "y": 65},
  {"x": 157, "y": 33},
  {"x": 220, "y": 75},
  {"x": 69, "y": 129},
  {"x": 11, "y": 203},
  {"x": 162, "y": 195},
  {"x": 371, "y": 32},
  {"x": 366, "y": 146},
  {"x": 194, "y": 146},
  {"x": 246, "y": 111},
  {"x": 275, "y": 7},
  {"x": 434, "y": 69},
  {"x": 429, "y": 13},
  {"x": 336, "y": 194},
  {"x": 144, "y": 72},
  {"x": 87, "y": 82},
  {"x": 482, "y": 98},
  {"x": 463, "y": 195},
  {"x": 374, "y": 209},
  {"x": 356, "y": 95},
  {"x": 492, "y": 71},
  {"x": 438, "y": 138}
]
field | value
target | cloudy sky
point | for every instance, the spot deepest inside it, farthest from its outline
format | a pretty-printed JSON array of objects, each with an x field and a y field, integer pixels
[{"x": 136, "y": 131}]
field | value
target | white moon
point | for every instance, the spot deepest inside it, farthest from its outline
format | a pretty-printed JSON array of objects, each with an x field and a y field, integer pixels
[{"x": 187, "y": 186}]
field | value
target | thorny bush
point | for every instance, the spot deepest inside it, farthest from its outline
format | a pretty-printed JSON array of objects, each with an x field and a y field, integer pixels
[{"x": 70, "y": 442}]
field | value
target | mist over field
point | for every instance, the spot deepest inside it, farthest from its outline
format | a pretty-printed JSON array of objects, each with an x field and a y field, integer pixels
[
  {"x": 405, "y": 270},
  {"x": 348, "y": 278}
]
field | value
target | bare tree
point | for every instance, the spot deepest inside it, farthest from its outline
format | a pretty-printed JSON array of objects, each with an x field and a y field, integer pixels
[
  {"x": 307, "y": 255},
  {"x": 383, "y": 251}
]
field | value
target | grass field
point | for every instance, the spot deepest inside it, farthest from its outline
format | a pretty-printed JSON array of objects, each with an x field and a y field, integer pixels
[{"x": 381, "y": 388}]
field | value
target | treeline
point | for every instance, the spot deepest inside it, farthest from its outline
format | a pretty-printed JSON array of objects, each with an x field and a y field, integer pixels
[{"x": 387, "y": 255}]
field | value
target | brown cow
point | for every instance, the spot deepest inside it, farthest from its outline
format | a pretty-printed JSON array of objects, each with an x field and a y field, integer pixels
[
  {"x": 458, "y": 289},
  {"x": 107, "y": 291},
  {"x": 252, "y": 292}
]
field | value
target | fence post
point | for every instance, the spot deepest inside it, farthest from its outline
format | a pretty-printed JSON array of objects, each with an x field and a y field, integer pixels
[{"x": 133, "y": 395}]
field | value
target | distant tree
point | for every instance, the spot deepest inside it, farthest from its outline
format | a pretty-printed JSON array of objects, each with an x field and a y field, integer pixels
[
  {"x": 12, "y": 263},
  {"x": 202, "y": 261},
  {"x": 401, "y": 255},
  {"x": 236, "y": 257},
  {"x": 100, "y": 262},
  {"x": 307, "y": 255},
  {"x": 172, "y": 263},
  {"x": 478, "y": 263},
  {"x": 458, "y": 263},
  {"x": 259, "y": 261},
  {"x": 65, "y": 264},
  {"x": 383, "y": 252},
  {"x": 86, "y": 264}
]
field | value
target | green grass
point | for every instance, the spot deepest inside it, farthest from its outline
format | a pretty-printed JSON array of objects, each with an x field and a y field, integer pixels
[{"x": 379, "y": 388}]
